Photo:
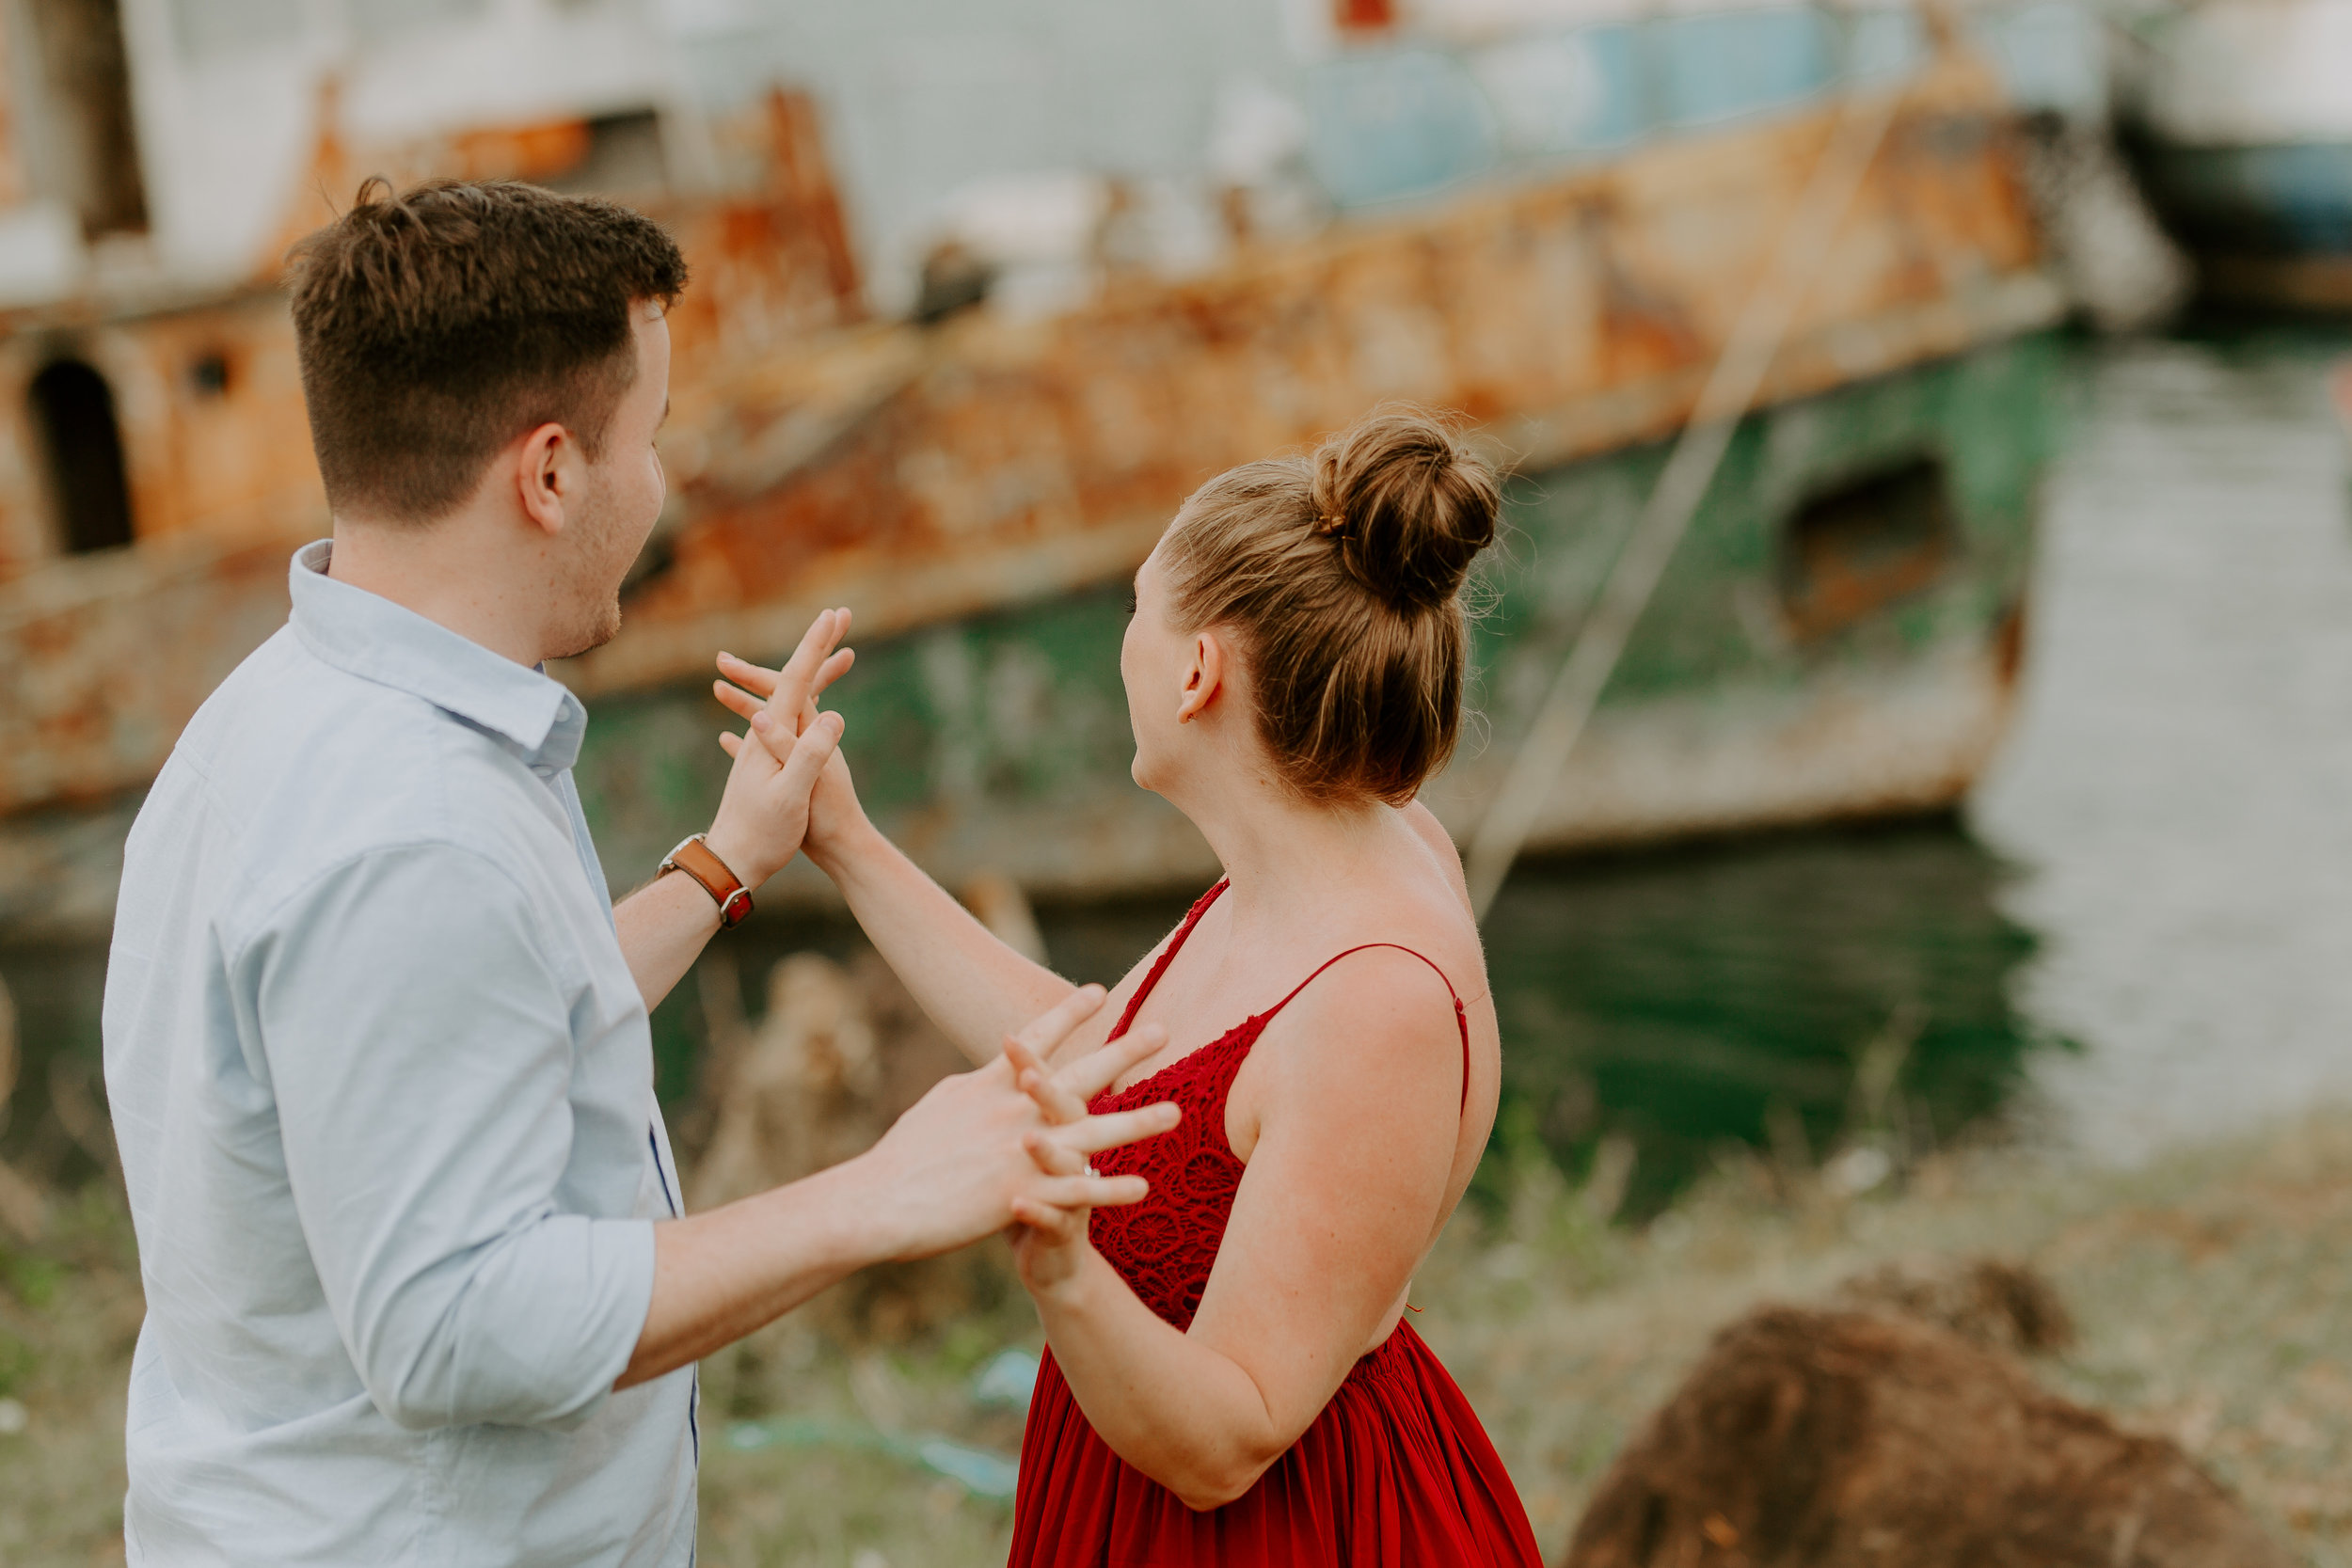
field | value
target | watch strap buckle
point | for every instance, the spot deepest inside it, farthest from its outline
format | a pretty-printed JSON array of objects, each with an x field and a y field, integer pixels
[{"x": 694, "y": 856}]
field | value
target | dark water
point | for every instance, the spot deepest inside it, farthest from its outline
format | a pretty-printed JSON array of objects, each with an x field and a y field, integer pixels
[
  {"x": 1683, "y": 1000},
  {"x": 1729, "y": 993}
]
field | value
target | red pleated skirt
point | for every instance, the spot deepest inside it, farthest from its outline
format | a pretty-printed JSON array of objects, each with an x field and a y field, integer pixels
[{"x": 1395, "y": 1473}]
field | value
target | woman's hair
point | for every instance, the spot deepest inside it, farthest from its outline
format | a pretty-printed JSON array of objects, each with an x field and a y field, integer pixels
[{"x": 1341, "y": 573}]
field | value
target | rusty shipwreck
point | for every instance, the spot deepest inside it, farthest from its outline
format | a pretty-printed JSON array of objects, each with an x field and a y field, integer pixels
[{"x": 1835, "y": 637}]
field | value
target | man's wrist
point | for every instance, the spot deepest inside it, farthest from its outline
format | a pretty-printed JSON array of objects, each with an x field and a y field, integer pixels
[
  {"x": 868, "y": 1201},
  {"x": 740, "y": 857}
]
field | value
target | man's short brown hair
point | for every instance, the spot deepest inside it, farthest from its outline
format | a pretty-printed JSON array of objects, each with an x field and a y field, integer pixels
[{"x": 435, "y": 325}]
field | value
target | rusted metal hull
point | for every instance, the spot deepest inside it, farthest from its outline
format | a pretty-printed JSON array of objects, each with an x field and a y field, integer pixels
[
  {"x": 109, "y": 654},
  {"x": 1566, "y": 318},
  {"x": 998, "y": 743},
  {"x": 975, "y": 482}
]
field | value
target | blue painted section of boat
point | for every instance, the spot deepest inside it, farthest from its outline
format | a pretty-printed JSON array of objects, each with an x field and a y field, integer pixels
[
  {"x": 1382, "y": 126},
  {"x": 1386, "y": 124},
  {"x": 1725, "y": 67},
  {"x": 2290, "y": 199},
  {"x": 1390, "y": 122}
]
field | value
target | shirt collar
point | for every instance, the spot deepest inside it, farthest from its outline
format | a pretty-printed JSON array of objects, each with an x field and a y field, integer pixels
[{"x": 371, "y": 637}]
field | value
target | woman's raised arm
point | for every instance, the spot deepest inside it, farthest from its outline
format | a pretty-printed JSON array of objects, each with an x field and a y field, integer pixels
[{"x": 974, "y": 987}]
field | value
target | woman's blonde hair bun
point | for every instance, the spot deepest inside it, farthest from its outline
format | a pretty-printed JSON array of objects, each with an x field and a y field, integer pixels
[
  {"x": 1340, "y": 575},
  {"x": 1410, "y": 506}
]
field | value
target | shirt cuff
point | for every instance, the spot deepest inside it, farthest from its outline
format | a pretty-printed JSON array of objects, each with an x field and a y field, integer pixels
[{"x": 624, "y": 1252}]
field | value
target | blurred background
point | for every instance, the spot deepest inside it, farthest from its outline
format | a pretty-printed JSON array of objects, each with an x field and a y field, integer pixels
[{"x": 1914, "y": 691}]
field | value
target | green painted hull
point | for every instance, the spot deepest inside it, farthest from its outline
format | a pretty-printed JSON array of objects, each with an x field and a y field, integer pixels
[{"x": 1804, "y": 660}]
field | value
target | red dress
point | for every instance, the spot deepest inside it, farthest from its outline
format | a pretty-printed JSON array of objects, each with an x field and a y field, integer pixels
[{"x": 1396, "y": 1472}]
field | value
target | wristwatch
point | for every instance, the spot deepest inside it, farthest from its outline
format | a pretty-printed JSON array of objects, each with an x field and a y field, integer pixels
[{"x": 693, "y": 856}]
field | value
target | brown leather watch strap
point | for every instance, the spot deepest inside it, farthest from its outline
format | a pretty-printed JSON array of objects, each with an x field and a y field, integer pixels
[{"x": 694, "y": 857}]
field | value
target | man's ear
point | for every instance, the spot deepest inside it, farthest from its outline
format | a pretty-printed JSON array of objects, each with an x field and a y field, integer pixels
[
  {"x": 544, "y": 480},
  {"x": 1204, "y": 677}
]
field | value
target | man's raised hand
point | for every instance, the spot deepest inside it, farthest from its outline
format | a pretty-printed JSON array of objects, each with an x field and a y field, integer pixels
[
  {"x": 763, "y": 814},
  {"x": 762, "y": 696}
]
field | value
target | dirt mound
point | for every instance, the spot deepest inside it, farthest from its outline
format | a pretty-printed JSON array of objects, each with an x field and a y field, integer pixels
[
  {"x": 1998, "y": 1305},
  {"x": 1829, "y": 1438}
]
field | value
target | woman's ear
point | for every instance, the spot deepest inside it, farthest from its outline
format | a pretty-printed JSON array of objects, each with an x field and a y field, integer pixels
[{"x": 1203, "y": 677}]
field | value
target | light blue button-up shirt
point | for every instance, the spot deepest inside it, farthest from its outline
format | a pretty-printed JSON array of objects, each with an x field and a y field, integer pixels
[{"x": 384, "y": 1090}]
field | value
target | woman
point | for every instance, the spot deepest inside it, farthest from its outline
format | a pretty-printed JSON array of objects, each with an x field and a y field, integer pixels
[{"x": 1229, "y": 1376}]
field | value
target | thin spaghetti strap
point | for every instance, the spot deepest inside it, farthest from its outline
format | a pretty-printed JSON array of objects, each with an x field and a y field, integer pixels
[
  {"x": 1461, "y": 1016},
  {"x": 1168, "y": 956}
]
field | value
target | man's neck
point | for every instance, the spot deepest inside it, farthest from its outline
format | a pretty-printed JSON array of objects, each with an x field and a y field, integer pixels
[{"x": 443, "y": 572}]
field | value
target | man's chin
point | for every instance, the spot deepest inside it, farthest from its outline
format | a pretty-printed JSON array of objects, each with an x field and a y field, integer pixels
[{"x": 590, "y": 638}]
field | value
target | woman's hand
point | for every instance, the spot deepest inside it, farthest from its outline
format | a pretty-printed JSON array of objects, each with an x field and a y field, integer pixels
[
  {"x": 977, "y": 1152},
  {"x": 766, "y": 812},
  {"x": 1051, "y": 1243},
  {"x": 757, "y": 694}
]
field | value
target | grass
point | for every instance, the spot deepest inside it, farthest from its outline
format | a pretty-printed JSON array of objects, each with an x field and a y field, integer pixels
[{"x": 2207, "y": 1290}]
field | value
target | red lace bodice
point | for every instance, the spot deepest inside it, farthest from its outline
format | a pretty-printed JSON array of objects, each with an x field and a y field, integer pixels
[
  {"x": 1394, "y": 1472},
  {"x": 1166, "y": 1245}
]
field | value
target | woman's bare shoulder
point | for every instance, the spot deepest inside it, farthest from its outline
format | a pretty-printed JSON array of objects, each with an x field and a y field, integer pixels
[{"x": 1432, "y": 833}]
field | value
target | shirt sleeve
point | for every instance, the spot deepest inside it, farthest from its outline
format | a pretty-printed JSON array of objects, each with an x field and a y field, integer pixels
[{"x": 419, "y": 1048}]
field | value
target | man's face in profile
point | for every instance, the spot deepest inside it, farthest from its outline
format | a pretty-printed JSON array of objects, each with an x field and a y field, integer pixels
[{"x": 626, "y": 488}]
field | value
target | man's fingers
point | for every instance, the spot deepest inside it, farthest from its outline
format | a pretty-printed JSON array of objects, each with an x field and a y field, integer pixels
[
  {"x": 1042, "y": 1034},
  {"x": 809, "y": 755},
  {"x": 1097, "y": 1134},
  {"x": 1054, "y": 1156},
  {"x": 817, "y": 655},
  {"x": 1036, "y": 1081},
  {"x": 797, "y": 681},
  {"x": 1098, "y": 1069},
  {"x": 814, "y": 646},
  {"x": 1057, "y": 1105}
]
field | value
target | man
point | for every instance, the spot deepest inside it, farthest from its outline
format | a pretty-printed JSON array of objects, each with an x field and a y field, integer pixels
[{"x": 375, "y": 1038}]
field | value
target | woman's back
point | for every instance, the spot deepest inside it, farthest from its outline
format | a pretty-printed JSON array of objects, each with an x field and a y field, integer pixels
[
  {"x": 1409, "y": 918},
  {"x": 1394, "y": 1468}
]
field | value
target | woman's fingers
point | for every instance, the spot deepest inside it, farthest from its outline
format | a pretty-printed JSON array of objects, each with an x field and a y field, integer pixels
[
  {"x": 809, "y": 755},
  {"x": 1042, "y": 1034},
  {"x": 1088, "y": 1192},
  {"x": 834, "y": 667},
  {"x": 757, "y": 678},
  {"x": 1098, "y": 1069},
  {"x": 817, "y": 664},
  {"x": 1056, "y": 1226},
  {"x": 730, "y": 743},
  {"x": 781, "y": 705},
  {"x": 1036, "y": 1081},
  {"x": 736, "y": 701},
  {"x": 1114, "y": 1131}
]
